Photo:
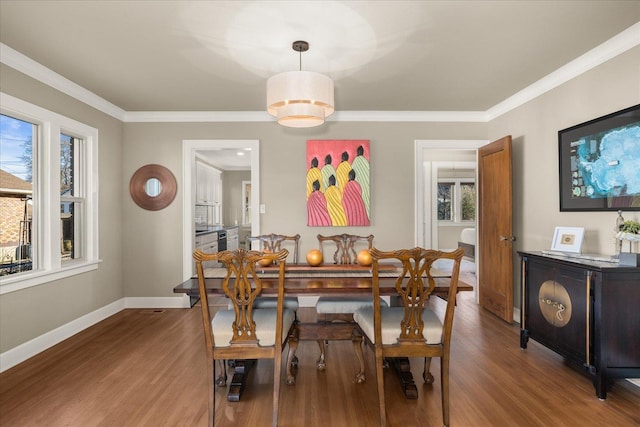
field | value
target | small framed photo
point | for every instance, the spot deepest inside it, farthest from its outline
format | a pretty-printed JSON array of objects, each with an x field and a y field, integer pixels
[{"x": 568, "y": 239}]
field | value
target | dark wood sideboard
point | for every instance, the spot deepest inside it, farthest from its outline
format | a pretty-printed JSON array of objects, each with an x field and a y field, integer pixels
[{"x": 587, "y": 311}]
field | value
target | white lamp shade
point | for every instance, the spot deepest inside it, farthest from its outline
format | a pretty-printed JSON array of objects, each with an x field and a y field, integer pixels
[
  {"x": 300, "y": 115},
  {"x": 300, "y": 98}
]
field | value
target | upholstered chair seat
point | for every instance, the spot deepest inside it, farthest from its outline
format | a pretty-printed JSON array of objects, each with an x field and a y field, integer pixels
[
  {"x": 337, "y": 305},
  {"x": 265, "y": 319},
  {"x": 391, "y": 317}
]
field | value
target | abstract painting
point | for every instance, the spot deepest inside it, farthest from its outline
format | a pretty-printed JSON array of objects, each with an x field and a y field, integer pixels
[{"x": 338, "y": 188}]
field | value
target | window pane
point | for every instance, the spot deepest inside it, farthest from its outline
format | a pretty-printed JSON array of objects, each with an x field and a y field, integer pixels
[
  {"x": 70, "y": 223},
  {"x": 70, "y": 199},
  {"x": 468, "y": 200},
  {"x": 66, "y": 165},
  {"x": 445, "y": 193},
  {"x": 16, "y": 196}
]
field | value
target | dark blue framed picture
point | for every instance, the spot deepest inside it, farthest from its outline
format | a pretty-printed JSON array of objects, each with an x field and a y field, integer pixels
[{"x": 600, "y": 163}]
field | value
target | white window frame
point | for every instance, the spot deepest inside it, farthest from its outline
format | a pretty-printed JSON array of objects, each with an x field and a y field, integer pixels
[{"x": 48, "y": 265}]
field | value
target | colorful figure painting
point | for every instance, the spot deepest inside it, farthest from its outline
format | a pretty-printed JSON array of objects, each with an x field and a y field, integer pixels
[{"x": 338, "y": 190}]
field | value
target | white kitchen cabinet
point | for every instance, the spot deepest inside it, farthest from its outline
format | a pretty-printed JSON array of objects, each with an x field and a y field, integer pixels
[
  {"x": 201, "y": 180},
  {"x": 232, "y": 239},
  {"x": 208, "y": 243},
  {"x": 209, "y": 190}
]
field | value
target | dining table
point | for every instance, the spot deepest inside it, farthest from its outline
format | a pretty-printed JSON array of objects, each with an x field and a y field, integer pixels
[{"x": 325, "y": 280}]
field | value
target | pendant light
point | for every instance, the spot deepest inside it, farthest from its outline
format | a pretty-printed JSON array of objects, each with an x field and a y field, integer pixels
[{"x": 300, "y": 98}]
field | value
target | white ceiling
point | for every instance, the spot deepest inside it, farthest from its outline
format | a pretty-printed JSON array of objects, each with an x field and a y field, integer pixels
[
  {"x": 227, "y": 159},
  {"x": 392, "y": 56}
]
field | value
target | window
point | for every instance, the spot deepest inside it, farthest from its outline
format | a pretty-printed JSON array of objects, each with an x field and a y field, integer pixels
[
  {"x": 445, "y": 207},
  {"x": 467, "y": 201},
  {"x": 456, "y": 200},
  {"x": 48, "y": 196}
]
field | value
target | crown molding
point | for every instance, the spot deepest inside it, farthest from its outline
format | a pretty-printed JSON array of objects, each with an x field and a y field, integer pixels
[
  {"x": 196, "y": 116},
  {"x": 408, "y": 116},
  {"x": 613, "y": 47},
  {"x": 338, "y": 116},
  {"x": 33, "y": 69}
]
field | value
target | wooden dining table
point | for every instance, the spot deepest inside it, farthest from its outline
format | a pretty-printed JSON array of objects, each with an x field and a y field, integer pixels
[{"x": 326, "y": 280}]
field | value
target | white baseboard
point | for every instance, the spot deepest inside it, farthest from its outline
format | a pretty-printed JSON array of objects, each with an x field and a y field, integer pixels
[{"x": 19, "y": 354}]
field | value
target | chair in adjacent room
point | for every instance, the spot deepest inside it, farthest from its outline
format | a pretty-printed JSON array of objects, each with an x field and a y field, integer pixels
[
  {"x": 341, "y": 309},
  {"x": 244, "y": 332},
  {"x": 410, "y": 330}
]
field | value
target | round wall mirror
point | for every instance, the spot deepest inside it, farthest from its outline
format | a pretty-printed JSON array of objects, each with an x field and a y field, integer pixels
[{"x": 153, "y": 187}]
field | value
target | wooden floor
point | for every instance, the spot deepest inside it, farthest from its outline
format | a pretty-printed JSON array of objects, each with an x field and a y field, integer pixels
[{"x": 147, "y": 368}]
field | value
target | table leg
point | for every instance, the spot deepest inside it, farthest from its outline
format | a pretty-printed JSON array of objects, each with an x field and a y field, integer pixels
[
  {"x": 238, "y": 380},
  {"x": 402, "y": 366},
  {"x": 193, "y": 299},
  {"x": 403, "y": 369}
]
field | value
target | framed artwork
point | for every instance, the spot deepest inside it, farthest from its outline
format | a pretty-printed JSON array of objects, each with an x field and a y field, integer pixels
[
  {"x": 338, "y": 191},
  {"x": 568, "y": 239},
  {"x": 599, "y": 163}
]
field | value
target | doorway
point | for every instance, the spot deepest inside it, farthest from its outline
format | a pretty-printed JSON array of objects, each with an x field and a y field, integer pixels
[
  {"x": 425, "y": 168},
  {"x": 190, "y": 150}
]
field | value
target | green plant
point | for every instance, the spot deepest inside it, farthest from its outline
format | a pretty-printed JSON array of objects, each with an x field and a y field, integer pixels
[{"x": 632, "y": 227}]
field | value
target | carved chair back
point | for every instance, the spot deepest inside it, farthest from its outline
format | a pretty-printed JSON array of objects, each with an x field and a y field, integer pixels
[
  {"x": 346, "y": 245},
  {"x": 273, "y": 243}
]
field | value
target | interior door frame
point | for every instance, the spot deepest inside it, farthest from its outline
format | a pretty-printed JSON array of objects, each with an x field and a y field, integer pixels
[
  {"x": 189, "y": 149},
  {"x": 423, "y": 214}
]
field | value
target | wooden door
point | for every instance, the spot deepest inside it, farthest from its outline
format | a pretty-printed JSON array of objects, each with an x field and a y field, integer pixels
[{"x": 495, "y": 234}]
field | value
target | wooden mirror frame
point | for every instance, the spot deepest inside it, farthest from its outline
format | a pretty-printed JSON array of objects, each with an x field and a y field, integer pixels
[{"x": 168, "y": 187}]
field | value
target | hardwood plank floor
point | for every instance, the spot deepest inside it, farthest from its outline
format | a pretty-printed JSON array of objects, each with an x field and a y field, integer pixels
[{"x": 146, "y": 368}]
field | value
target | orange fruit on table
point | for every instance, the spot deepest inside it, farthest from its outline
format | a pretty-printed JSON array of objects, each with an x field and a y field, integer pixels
[
  {"x": 314, "y": 257},
  {"x": 364, "y": 257},
  {"x": 265, "y": 262}
]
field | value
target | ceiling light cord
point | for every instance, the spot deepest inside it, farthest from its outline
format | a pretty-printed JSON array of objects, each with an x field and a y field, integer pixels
[{"x": 300, "y": 46}]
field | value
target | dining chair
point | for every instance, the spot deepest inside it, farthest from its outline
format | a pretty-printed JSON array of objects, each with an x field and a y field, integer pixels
[
  {"x": 340, "y": 309},
  {"x": 244, "y": 332},
  {"x": 410, "y": 330},
  {"x": 273, "y": 243}
]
